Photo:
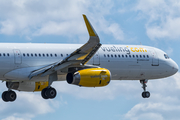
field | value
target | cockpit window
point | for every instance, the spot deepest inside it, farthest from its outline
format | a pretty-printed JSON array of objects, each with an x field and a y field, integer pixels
[{"x": 166, "y": 56}]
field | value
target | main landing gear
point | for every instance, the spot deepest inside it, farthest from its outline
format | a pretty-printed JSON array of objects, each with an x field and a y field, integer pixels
[
  {"x": 9, "y": 96},
  {"x": 49, "y": 92},
  {"x": 145, "y": 94}
]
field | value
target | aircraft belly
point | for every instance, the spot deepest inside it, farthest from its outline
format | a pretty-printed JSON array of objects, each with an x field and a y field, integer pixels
[{"x": 22, "y": 74}]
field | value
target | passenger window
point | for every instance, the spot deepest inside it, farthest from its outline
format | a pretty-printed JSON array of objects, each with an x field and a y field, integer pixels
[
  {"x": 55, "y": 55},
  {"x": 43, "y": 55},
  {"x": 147, "y": 56},
  {"x": 51, "y": 55},
  {"x": 122, "y": 55},
  {"x": 61, "y": 55},
  {"x": 126, "y": 56},
  {"x": 108, "y": 55},
  {"x": 137, "y": 56},
  {"x": 27, "y": 54},
  {"x": 144, "y": 56},
  {"x": 140, "y": 56},
  {"x": 104, "y": 55},
  {"x": 129, "y": 55},
  {"x": 119, "y": 56},
  {"x": 133, "y": 56},
  {"x": 66, "y": 54},
  {"x": 24, "y": 55},
  {"x": 31, "y": 54},
  {"x": 111, "y": 55},
  {"x": 115, "y": 55},
  {"x": 47, "y": 55},
  {"x": 4, "y": 54},
  {"x": 36, "y": 55},
  {"x": 8, "y": 54},
  {"x": 39, "y": 55}
]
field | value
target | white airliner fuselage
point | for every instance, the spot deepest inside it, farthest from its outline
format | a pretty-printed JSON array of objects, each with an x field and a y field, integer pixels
[
  {"x": 34, "y": 67},
  {"x": 126, "y": 62}
]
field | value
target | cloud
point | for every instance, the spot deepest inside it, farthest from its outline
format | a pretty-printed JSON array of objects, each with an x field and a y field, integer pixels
[
  {"x": 162, "y": 18},
  {"x": 114, "y": 89},
  {"x": 164, "y": 103},
  {"x": 169, "y": 51},
  {"x": 37, "y": 18},
  {"x": 27, "y": 106},
  {"x": 168, "y": 29},
  {"x": 116, "y": 31},
  {"x": 15, "y": 118}
]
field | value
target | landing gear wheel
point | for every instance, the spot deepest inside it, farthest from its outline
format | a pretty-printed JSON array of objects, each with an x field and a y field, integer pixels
[
  {"x": 43, "y": 93},
  {"x": 4, "y": 96},
  {"x": 47, "y": 93},
  {"x": 146, "y": 94},
  {"x": 9, "y": 96},
  {"x": 143, "y": 95},
  {"x": 51, "y": 93}
]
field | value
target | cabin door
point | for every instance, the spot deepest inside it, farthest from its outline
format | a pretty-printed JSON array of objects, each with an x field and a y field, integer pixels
[
  {"x": 17, "y": 57},
  {"x": 155, "y": 59}
]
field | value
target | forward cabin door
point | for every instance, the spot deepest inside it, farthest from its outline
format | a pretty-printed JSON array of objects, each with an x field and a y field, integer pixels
[
  {"x": 96, "y": 59},
  {"x": 17, "y": 57},
  {"x": 155, "y": 59}
]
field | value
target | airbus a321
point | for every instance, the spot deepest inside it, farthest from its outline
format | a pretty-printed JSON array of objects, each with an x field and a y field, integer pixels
[{"x": 34, "y": 67}]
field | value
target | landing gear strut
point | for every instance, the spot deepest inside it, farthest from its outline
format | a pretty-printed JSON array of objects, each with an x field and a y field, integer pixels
[{"x": 145, "y": 94}]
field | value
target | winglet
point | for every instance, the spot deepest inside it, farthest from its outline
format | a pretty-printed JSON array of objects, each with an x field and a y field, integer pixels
[{"x": 90, "y": 29}]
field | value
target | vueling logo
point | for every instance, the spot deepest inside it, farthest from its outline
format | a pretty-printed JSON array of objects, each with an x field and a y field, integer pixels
[{"x": 138, "y": 49}]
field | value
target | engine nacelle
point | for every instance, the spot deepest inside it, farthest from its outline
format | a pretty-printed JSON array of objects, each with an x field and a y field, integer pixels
[
  {"x": 27, "y": 86},
  {"x": 93, "y": 77}
]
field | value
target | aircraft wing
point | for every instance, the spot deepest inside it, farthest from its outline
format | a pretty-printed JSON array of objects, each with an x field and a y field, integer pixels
[{"x": 79, "y": 57}]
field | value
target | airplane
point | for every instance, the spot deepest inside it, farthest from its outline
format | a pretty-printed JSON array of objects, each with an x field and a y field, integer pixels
[{"x": 34, "y": 67}]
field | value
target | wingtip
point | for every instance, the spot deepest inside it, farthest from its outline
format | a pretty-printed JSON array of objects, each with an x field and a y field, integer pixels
[{"x": 89, "y": 26}]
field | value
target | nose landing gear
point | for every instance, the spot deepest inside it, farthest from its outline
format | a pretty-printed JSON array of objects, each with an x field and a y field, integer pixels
[{"x": 145, "y": 94}]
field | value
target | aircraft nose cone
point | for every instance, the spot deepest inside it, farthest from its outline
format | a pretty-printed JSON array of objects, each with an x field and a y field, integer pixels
[{"x": 175, "y": 67}]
